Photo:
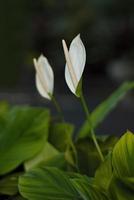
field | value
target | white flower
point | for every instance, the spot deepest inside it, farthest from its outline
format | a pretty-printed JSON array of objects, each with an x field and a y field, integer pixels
[
  {"x": 75, "y": 62},
  {"x": 44, "y": 77}
]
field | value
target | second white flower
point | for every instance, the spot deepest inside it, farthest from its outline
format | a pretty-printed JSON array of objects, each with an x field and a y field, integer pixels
[{"x": 75, "y": 62}]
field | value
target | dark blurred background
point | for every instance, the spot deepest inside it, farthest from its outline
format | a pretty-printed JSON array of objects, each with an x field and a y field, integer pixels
[{"x": 29, "y": 28}]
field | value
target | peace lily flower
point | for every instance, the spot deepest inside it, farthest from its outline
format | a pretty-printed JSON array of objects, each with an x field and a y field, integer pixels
[
  {"x": 75, "y": 63},
  {"x": 44, "y": 77}
]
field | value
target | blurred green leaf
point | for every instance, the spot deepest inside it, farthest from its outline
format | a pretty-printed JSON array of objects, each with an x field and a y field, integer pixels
[
  {"x": 123, "y": 156},
  {"x": 88, "y": 157},
  {"x": 86, "y": 190},
  {"x": 53, "y": 184},
  {"x": 122, "y": 185},
  {"x": 47, "y": 184},
  {"x": 119, "y": 191},
  {"x": 107, "y": 142},
  {"x": 61, "y": 135},
  {"x": 9, "y": 184},
  {"x": 49, "y": 156},
  {"x": 103, "y": 109},
  {"x": 58, "y": 161},
  {"x": 23, "y": 136},
  {"x": 104, "y": 174}
]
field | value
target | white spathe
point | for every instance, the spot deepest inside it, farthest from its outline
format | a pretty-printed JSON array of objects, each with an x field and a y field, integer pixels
[
  {"x": 75, "y": 62},
  {"x": 44, "y": 77}
]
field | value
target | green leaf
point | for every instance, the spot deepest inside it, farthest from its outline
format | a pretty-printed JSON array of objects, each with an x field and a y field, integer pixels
[
  {"x": 87, "y": 191},
  {"x": 119, "y": 191},
  {"x": 9, "y": 184},
  {"x": 47, "y": 184},
  {"x": 102, "y": 110},
  {"x": 58, "y": 161},
  {"x": 23, "y": 135},
  {"x": 123, "y": 156},
  {"x": 107, "y": 143},
  {"x": 122, "y": 184},
  {"x": 88, "y": 157},
  {"x": 49, "y": 156},
  {"x": 104, "y": 174},
  {"x": 60, "y": 135},
  {"x": 53, "y": 184}
]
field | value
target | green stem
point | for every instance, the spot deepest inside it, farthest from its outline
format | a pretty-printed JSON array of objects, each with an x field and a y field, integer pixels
[
  {"x": 75, "y": 155},
  {"x": 91, "y": 127},
  {"x": 58, "y": 108}
]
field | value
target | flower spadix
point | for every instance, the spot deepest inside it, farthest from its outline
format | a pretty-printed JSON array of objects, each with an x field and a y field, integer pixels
[
  {"x": 44, "y": 77},
  {"x": 75, "y": 63}
]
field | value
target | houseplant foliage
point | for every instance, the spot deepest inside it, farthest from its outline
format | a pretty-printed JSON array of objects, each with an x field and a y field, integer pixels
[{"x": 42, "y": 158}]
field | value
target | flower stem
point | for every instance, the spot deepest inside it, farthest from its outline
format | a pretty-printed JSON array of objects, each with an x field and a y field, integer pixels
[
  {"x": 58, "y": 108},
  {"x": 91, "y": 127}
]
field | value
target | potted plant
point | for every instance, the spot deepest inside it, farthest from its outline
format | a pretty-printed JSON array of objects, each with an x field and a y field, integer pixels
[{"x": 42, "y": 159}]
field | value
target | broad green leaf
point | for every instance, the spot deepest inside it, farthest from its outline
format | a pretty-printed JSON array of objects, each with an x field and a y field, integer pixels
[
  {"x": 123, "y": 156},
  {"x": 49, "y": 155},
  {"x": 76, "y": 175},
  {"x": 58, "y": 161},
  {"x": 9, "y": 184},
  {"x": 70, "y": 157},
  {"x": 87, "y": 191},
  {"x": 61, "y": 135},
  {"x": 103, "y": 109},
  {"x": 123, "y": 165},
  {"x": 104, "y": 174},
  {"x": 107, "y": 141},
  {"x": 22, "y": 136},
  {"x": 47, "y": 184},
  {"x": 88, "y": 157},
  {"x": 119, "y": 191}
]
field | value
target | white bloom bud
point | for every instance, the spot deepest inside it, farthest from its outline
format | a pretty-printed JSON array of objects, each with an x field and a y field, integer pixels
[
  {"x": 75, "y": 62},
  {"x": 44, "y": 77}
]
